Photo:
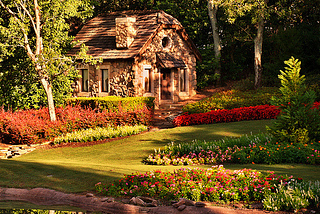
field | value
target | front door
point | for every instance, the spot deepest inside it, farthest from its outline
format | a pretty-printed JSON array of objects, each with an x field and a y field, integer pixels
[{"x": 166, "y": 84}]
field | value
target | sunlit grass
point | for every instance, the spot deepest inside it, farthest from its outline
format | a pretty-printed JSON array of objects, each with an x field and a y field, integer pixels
[{"x": 78, "y": 169}]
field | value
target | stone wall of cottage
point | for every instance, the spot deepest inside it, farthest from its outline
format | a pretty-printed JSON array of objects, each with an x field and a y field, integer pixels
[
  {"x": 121, "y": 79},
  {"x": 176, "y": 47}
]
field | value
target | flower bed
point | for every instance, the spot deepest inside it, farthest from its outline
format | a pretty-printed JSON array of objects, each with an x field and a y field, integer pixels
[
  {"x": 233, "y": 115},
  {"x": 247, "y": 149},
  {"x": 214, "y": 184},
  {"x": 34, "y": 126},
  {"x": 224, "y": 115}
]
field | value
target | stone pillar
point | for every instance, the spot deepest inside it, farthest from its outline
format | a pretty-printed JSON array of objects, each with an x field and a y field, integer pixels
[{"x": 125, "y": 31}]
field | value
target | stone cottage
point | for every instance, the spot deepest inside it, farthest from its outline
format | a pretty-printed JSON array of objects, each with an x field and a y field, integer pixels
[{"x": 144, "y": 53}]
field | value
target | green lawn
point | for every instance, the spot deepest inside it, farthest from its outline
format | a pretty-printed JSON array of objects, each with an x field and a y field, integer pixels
[{"x": 78, "y": 169}]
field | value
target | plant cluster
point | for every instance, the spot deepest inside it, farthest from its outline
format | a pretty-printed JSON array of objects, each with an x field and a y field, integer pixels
[
  {"x": 100, "y": 133},
  {"x": 260, "y": 148},
  {"x": 34, "y": 126},
  {"x": 213, "y": 184},
  {"x": 294, "y": 196},
  {"x": 232, "y": 99},
  {"x": 224, "y": 115}
]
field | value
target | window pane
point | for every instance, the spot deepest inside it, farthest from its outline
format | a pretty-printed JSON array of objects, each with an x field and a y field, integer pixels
[
  {"x": 147, "y": 80},
  {"x": 183, "y": 80},
  {"x": 85, "y": 80},
  {"x": 105, "y": 80}
]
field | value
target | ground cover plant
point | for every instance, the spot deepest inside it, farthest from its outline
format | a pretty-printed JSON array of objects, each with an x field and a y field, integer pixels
[
  {"x": 99, "y": 133},
  {"x": 255, "y": 149},
  {"x": 34, "y": 126},
  {"x": 213, "y": 184},
  {"x": 232, "y": 99}
]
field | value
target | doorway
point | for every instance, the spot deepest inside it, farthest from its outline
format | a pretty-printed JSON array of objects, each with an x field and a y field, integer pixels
[{"x": 166, "y": 89}]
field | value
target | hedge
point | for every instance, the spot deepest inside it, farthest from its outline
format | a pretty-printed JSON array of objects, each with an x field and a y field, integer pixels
[{"x": 112, "y": 103}]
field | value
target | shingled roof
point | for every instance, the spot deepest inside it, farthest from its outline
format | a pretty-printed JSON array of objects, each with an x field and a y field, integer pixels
[{"x": 99, "y": 34}]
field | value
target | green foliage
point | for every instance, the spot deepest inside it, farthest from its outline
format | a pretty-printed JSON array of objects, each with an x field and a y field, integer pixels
[
  {"x": 232, "y": 99},
  {"x": 19, "y": 80},
  {"x": 293, "y": 196},
  {"x": 112, "y": 103},
  {"x": 100, "y": 133},
  {"x": 298, "y": 121}
]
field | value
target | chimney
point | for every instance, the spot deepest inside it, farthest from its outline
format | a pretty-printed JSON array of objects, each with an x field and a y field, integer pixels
[{"x": 125, "y": 31}]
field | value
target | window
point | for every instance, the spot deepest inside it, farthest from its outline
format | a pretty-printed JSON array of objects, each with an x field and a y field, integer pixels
[
  {"x": 105, "y": 80},
  {"x": 147, "y": 78},
  {"x": 166, "y": 42},
  {"x": 183, "y": 80},
  {"x": 85, "y": 80}
]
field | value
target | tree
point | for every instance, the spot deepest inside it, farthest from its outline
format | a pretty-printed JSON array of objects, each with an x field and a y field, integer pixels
[
  {"x": 41, "y": 30},
  {"x": 212, "y": 11},
  {"x": 298, "y": 122}
]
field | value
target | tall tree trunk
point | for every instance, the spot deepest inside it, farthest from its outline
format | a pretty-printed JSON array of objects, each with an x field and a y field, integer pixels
[
  {"x": 258, "y": 53},
  {"x": 48, "y": 89},
  {"x": 212, "y": 11}
]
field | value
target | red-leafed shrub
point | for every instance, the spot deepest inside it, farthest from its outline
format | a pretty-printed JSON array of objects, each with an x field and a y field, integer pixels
[
  {"x": 237, "y": 114},
  {"x": 34, "y": 126}
]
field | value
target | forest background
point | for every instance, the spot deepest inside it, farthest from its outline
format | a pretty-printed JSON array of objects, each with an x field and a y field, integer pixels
[{"x": 278, "y": 29}]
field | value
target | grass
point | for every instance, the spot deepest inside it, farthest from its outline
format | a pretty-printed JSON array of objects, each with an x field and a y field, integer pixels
[{"x": 78, "y": 169}]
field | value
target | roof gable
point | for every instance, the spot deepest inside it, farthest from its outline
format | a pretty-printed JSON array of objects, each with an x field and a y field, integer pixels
[{"x": 99, "y": 34}]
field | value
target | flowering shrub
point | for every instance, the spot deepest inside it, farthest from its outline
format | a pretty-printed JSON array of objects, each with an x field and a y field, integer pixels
[
  {"x": 233, "y": 115},
  {"x": 224, "y": 115},
  {"x": 260, "y": 148},
  {"x": 34, "y": 126},
  {"x": 214, "y": 184}
]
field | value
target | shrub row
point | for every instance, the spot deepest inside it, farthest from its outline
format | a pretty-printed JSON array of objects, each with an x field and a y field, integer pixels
[
  {"x": 232, "y": 99},
  {"x": 232, "y": 115},
  {"x": 34, "y": 126},
  {"x": 113, "y": 103}
]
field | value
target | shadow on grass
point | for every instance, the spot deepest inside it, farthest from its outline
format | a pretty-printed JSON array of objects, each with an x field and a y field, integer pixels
[
  {"x": 20, "y": 174},
  {"x": 210, "y": 132}
]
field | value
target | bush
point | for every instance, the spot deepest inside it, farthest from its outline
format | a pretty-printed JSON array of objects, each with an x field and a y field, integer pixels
[
  {"x": 113, "y": 103},
  {"x": 34, "y": 126},
  {"x": 232, "y": 99},
  {"x": 298, "y": 122}
]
